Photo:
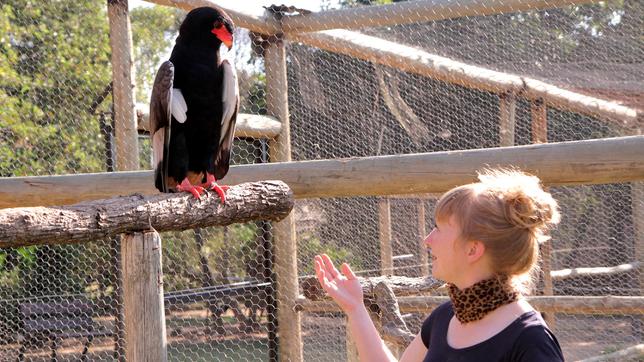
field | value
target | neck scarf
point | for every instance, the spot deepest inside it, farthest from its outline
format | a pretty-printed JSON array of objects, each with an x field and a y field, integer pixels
[{"x": 473, "y": 303}]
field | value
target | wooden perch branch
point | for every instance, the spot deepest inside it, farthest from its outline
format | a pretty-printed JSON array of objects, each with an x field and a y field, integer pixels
[
  {"x": 399, "y": 285},
  {"x": 268, "y": 200},
  {"x": 417, "y": 61}
]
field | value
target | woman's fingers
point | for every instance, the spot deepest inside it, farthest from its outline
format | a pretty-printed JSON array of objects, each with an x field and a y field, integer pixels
[
  {"x": 319, "y": 271},
  {"x": 346, "y": 270},
  {"x": 330, "y": 268}
]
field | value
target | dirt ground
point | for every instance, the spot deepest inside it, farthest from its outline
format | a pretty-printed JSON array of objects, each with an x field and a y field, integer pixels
[{"x": 190, "y": 337}]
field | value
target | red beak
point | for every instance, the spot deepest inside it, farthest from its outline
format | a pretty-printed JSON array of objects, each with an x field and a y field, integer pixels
[{"x": 223, "y": 35}]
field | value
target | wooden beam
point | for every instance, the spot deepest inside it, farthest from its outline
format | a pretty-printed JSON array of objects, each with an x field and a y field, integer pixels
[
  {"x": 125, "y": 133},
  {"x": 417, "y": 61},
  {"x": 569, "y": 304},
  {"x": 256, "y": 21},
  {"x": 412, "y": 12},
  {"x": 596, "y": 271},
  {"x": 248, "y": 125},
  {"x": 94, "y": 220},
  {"x": 145, "y": 333},
  {"x": 598, "y": 161}
]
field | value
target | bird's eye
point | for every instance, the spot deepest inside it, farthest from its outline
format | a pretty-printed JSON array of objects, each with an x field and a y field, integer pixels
[{"x": 218, "y": 24}]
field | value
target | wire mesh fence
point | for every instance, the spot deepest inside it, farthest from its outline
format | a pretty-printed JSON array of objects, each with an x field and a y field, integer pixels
[{"x": 220, "y": 288}]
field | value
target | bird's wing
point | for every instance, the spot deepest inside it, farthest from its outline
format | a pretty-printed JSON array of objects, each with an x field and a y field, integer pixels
[
  {"x": 230, "y": 100},
  {"x": 160, "y": 121}
]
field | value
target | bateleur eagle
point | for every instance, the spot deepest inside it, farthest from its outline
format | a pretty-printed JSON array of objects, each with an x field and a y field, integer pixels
[{"x": 194, "y": 105}]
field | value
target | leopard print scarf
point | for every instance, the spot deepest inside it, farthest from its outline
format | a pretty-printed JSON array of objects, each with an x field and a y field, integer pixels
[{"x": 473, "y": 303}]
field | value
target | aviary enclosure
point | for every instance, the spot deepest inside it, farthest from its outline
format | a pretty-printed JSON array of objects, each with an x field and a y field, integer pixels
[{"x": 368, "y": 110}]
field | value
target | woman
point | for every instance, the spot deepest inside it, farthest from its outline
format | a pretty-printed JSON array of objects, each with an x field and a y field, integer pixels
[{"x": 485, "y": 245}]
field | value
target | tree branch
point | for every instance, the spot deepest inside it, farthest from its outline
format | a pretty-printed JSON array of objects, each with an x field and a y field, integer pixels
[{"x": 267, "y": 200}]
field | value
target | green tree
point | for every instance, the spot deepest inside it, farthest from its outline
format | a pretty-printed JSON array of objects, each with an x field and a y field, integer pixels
[{"x": 54, "y": 58}]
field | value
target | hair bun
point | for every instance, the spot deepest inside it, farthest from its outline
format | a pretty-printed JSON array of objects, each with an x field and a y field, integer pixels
[
  {"x": 530, "y": 212},
  {"x": 526, "y": 204}
]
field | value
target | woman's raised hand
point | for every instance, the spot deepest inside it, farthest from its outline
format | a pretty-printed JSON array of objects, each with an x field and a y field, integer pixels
[{"x": 343, "y": 287}]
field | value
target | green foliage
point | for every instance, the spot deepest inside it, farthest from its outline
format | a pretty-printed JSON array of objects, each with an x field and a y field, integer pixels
[
  {"x": 153, "y": 31},
  {"x": 229, "y": 251},
  {"x": 54, "y": 56},
  {"x": 309, "y": 245}
]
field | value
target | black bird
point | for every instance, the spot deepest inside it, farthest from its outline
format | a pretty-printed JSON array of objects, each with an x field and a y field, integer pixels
[{"x": 194, "y": 105}]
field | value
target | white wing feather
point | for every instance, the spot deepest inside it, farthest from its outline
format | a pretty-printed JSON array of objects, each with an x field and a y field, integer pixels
[
  {"x": 230, "y": 94},
  {"x": 179, "y": 106}
]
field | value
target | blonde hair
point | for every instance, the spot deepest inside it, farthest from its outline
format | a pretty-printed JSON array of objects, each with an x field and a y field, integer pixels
[{"x": 510, "y": 213}]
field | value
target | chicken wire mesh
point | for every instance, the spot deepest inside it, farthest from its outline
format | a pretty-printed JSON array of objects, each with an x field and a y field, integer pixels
[{"x": 56, "y": 97}]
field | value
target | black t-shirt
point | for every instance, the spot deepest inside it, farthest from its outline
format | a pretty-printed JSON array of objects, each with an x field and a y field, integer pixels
[{"x": 527, "y": 339}]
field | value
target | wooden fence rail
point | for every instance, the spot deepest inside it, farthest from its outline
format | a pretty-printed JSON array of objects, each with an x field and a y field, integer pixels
[{"x": 611, "y": 160}]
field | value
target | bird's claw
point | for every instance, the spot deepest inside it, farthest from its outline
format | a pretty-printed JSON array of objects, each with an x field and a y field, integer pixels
[
  {"x": 211, "y": 184},
  {"x": 186, "y": 186}
]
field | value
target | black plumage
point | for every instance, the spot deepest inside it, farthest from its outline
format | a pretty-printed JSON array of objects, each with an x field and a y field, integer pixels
[{"x": 194, "y": 105}]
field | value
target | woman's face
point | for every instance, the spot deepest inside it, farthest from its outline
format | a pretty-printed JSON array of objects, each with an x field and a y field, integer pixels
[{"x": 448, "y": 255}]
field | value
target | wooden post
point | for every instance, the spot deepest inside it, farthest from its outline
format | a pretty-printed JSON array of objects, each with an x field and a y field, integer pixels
[
  {"x": 637, "y": 200},
  {"x": 126, "y": 135},
  {"x": 124, "y": 117},
  {"x": 288, "y": 320},
  {"x": 422, "y": 233},
  {"x": 507, "y": 111},
  {"x": 539, "y": 114},
  {"x": 145, "y": 335},
  {"x": 539, "y": 120},
  {"x": 384, "y": 228}
]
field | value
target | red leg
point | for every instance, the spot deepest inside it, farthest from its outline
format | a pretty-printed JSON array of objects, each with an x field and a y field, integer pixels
[
  {"x": 186, "y": 186},
  {"x": 211, "y": 184}
]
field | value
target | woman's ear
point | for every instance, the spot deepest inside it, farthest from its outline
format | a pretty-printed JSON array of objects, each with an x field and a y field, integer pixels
[{"x": 474, "y": 250}]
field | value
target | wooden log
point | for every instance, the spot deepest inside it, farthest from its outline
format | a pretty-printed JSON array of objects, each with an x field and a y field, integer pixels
[
  {"x": 384, "y": 235},
  {"x": 417, "y": 61},
  {"x": 412, "y": 12},
  {"x": 125, "y": 133},
  {"x": 400, "y": 285},
  {"x": 255, "y": 21},
  {"x": 248, "y": 125},
  {"x": 507, "y": 121},
  {"x": 145, "y": 334},
  {"x": 284, "y": 239},
  {"x": 632, "y": 353},
  {"x": 270, "y": 200},
  {"x": 598, "y": 161},
  {"x": 596, "y": 271},
  {"x": 603, "y": 305}
]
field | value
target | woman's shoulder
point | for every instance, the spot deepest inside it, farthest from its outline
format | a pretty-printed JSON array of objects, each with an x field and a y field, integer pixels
[
  {"x": 534, "y": 340},
  {"x": 438, "y": 319}
]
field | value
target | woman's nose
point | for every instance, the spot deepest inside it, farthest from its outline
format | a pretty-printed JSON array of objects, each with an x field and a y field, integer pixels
[{"x": 428, "y": 238}]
